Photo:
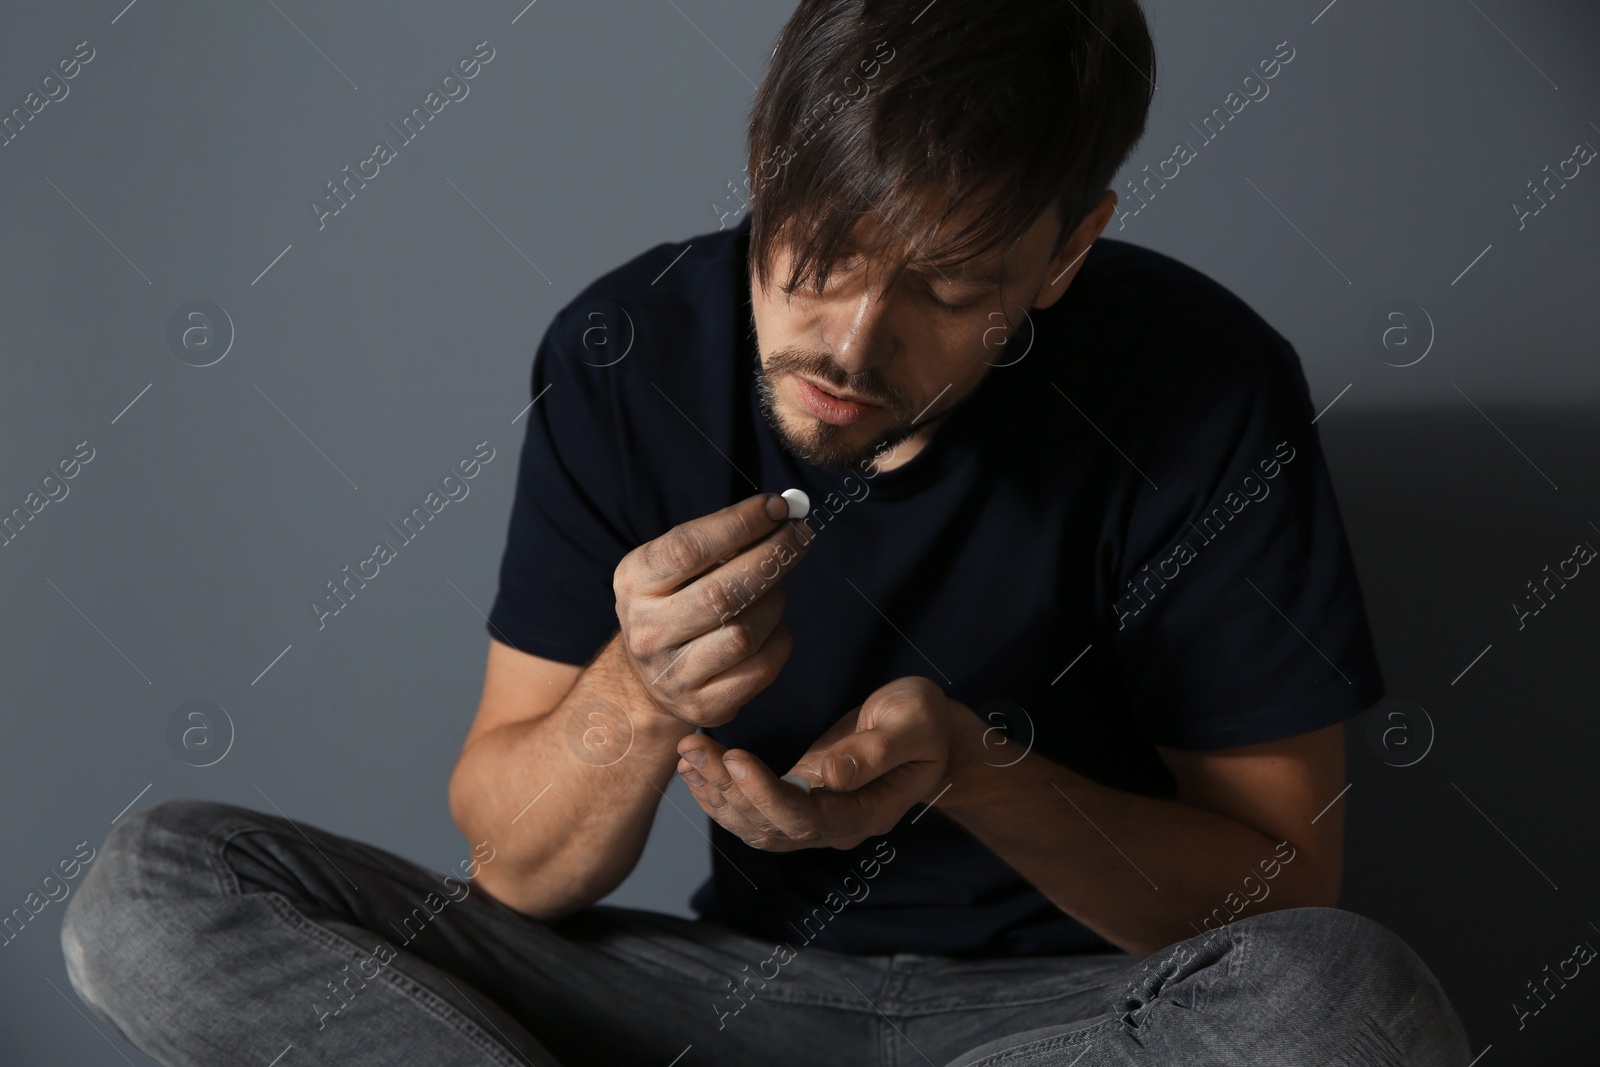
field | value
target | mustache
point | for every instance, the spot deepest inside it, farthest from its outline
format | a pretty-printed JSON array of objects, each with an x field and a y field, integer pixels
[{"x": 818, "y": 366}]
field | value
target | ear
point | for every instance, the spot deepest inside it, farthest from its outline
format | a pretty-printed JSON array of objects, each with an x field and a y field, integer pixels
[{"x": 1065, "y": 266}]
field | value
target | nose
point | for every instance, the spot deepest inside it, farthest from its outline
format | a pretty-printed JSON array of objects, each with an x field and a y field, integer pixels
[{"x": 858, "y": 333}]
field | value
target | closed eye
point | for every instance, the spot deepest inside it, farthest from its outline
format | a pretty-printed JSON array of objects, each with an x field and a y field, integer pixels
[{"x": 945, "y": 304}]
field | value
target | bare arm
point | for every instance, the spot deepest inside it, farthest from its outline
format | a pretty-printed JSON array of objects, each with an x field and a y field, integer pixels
[
  {"x": 1144, "y": 872},
  {"x": 1249, "y": 827},
  {"x": 564, "y": 766},
  {"x": 564, "y": 788}
]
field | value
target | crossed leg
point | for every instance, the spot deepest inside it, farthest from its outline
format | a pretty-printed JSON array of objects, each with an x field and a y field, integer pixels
[{"x": 208, "y": 933}]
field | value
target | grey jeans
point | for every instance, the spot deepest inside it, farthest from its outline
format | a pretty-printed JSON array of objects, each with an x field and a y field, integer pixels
[{"x": 212, "y": 934}]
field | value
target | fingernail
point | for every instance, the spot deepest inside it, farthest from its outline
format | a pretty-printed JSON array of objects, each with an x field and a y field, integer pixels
[
  {"x": 695, "y": 756},
  {"x": 840, "y": 769},
  {"x": 777, "y": 507},
  {"x": 694, "y": 778},
  {"x": 803, "y": 784},
  {"x": 735, "y": 768}
]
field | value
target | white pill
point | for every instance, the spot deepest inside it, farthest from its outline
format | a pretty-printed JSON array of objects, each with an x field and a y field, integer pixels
[
  {"x": 799, "y": 503},
  {"x": 795, "y": 779}
]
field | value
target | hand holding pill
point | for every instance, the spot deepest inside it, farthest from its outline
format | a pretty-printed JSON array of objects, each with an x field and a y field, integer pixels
[{"x": 700, "y": 607}]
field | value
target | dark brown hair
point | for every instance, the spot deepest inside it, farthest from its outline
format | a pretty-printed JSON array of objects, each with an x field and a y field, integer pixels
[{"x": 909, "y": 110}]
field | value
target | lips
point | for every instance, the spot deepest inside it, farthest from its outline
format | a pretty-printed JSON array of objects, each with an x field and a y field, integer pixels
[
  {"x": 831, "y": 407},
  {"x": 842, "y": 397}
]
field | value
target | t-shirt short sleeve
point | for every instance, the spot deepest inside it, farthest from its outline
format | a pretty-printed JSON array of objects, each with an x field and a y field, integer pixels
[
  {"x": 568, "y": 527},
  {"x": 1238, "y": 616}
]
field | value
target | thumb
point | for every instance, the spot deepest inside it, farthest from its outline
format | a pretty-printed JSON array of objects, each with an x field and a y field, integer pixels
[{"x": 852, "y": 761}]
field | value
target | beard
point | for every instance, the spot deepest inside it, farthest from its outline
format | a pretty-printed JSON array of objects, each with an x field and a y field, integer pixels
[{"x": 818, "y": 443}]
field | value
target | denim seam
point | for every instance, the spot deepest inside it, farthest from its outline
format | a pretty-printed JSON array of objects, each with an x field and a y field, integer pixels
[
  {"x": 664, "y": 940},
  {"x": 772, "y": 992},
  {"x": 421, "y": 995},
  {"x": 1049, "y": 1044},
  {"x": 226, "y": 836},
  {"x": 952, "y": 1005},
  {"x": 888, "y": 994},
  {"x": 894, "y": 981}
]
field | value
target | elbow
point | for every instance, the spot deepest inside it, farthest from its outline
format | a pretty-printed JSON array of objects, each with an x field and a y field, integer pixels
[
  {"x": 512, "y": 892},
  {"x": 1323, "y": 895},
  {"x": 1320, "y": 883},
  {"x": 460, "y": 799},
  {"x": 1315, "y": 887},
  {"x": 1308, "y": 877},
  {"x": 525, "y": 879},
  {"x": 469, "y": 795},
  {"x": 537, "y": 898}
]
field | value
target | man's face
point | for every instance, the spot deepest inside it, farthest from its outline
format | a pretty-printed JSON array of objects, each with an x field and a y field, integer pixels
[{"x": 863, "y": 365}]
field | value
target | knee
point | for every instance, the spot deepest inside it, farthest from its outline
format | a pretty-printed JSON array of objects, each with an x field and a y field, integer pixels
[
  {"x": 119, "y": 919},
  {"x": 1391, "y": 1005},
  {"x": 1329, "y": 946}
]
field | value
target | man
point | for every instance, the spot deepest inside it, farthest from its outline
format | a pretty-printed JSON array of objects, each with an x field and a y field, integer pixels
[{"x": 1055, "y": 667}]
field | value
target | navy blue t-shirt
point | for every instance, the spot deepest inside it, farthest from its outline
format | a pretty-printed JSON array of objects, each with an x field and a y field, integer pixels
[{"x": 1126, "y": 538}]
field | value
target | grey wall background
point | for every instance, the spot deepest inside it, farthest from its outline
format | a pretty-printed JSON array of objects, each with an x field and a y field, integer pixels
[{"x": 370, "y": 355}]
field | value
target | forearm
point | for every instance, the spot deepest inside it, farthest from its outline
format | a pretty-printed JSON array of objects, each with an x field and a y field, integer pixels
[
  {"x": 1143, "y": 872},
  {"x": 568, "y": 799}
]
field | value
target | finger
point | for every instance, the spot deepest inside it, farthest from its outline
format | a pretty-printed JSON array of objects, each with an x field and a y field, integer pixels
[
  {"x": 732, "y": 642},
  {"x": 807, "y": 765},
  {"x": 794, "y": 814},
  {"x": 849, "y": 818},
  {"x": 687, "y": 549},
  {"x": 880, "y": 743},
  {"x": 715, "y": 805},
  {"x": 725, "y": 592},
  {"x": 719, "y": 698},
  {"x": 777, "y": 822},
  {"x": 743, "y": 680},
  {"x": 728, "y": 590},
  {"x": 716, "y": 771},
  {"x": 711, "y": 799}
]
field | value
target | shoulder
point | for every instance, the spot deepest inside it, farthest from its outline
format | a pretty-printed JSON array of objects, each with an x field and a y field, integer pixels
[
  {"x": 1160, "y": 299},
  {"x": 639, "y": 371},
  {"x": 1173, "y": 348},
  {"x": 672, "y": 298}
]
